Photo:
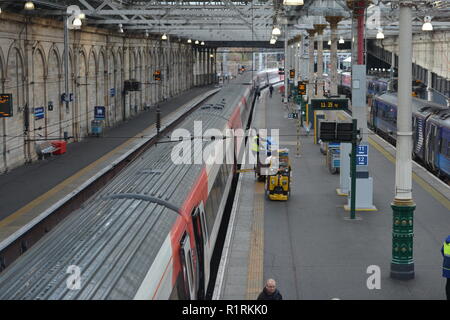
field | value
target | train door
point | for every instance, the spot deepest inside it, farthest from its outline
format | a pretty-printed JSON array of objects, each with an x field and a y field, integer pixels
[
  {"x": 431, "y": 146},
  {"x": 201, "y": 238},
  {"x": 187, "y": 267}
]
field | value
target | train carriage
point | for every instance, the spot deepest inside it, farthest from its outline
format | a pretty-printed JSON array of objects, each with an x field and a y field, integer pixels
[{"x": 151, "y": 231}]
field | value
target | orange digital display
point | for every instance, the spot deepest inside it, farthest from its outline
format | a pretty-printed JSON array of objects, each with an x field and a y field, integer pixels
[{"x": 6, "y": 108}]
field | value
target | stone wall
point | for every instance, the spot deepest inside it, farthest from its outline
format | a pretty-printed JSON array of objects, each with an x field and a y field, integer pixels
[
  {"x": 431, "y": 51},
  {"x": 32, "y": 69}
]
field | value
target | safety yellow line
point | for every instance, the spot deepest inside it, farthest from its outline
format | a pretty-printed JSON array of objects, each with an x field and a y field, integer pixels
[
  {"x": 255, "y": 274},
  {"x": 420, "y": 181}
]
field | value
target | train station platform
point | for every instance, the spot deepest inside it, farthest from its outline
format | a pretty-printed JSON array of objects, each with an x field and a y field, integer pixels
[
  {"x": 32, "y": 192},
  {"x": 306, "y": 243}
]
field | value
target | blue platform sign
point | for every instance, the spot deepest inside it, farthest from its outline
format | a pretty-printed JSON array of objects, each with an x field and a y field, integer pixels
[
  {"x": 362, "y": 150},
  {"x": 112, "y": 92},
  {"x": 362, "y": 155},
  {"x": 361, "y": 160},
  {"x": 38, "y": 113},
  {"x": 99, "y": 112}
]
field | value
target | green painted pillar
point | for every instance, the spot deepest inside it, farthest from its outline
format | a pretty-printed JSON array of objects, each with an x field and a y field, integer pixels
[{"x": 402, "y": 264}]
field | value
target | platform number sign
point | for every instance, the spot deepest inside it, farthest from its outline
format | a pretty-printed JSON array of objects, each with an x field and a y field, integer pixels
[
  {"x": 362, "y": 155},
  {"x": 6, "y": 105}
]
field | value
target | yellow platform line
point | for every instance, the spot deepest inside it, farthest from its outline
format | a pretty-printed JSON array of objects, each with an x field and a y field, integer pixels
[
  {"x": 255, "y": 274},
  {"x": 420, "y": 181}
]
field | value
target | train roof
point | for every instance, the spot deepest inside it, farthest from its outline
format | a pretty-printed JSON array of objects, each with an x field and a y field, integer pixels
[
  {"x": 117, "y": 234},
  {"x": 418, "y": 104}
]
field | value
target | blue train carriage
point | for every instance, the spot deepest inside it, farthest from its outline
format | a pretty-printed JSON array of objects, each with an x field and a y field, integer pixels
[
  {"x": 383, "y": 116},
  {"x": 437, "y": 145},
  {"x": 383, "y": 119},
  {"x": 420, "y": 117}
]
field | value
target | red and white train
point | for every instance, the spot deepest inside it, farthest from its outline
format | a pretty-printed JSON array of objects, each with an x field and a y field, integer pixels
[{"x": 151, "y": 231}]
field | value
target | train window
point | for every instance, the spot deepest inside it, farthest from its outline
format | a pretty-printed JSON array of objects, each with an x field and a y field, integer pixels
[
  {"x": 209, "y": 214},
  {"x": 190, "y": 266}
]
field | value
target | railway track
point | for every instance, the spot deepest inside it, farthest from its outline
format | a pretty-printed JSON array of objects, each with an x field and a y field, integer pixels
[{"x": 17, "y": 244}]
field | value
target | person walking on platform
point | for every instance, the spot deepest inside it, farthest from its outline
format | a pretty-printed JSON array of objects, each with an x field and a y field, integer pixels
[
  {"x": 258, "y": 92},
  {"x": 271, "y": 90},
  {"x": 445, "y": 250},
  {"x": 270, "y": 291}
]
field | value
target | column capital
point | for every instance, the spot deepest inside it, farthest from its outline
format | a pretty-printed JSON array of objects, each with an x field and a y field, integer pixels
[
  {"x": 319, "y": 28},
  {"x": 357, "y": 4},
  {"x": 333, "y": 21},
  {"x": 311, "y": 32}
]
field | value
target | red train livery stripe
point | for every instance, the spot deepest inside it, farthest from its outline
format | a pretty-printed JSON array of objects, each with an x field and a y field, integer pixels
[{"x": 198, "y": 192}]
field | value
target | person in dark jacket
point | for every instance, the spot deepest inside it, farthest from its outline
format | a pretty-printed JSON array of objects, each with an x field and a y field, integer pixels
[
  {"x": 271, "y": 90},
  {"x": 270, "y": 291},
  {"x": 445, "y": 250}
]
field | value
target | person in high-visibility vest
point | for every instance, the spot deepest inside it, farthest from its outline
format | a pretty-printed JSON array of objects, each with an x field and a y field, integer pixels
[{"x": 445, "y": 250}]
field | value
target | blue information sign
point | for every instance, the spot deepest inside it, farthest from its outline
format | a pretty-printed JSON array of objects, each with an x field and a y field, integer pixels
[
  {"x": 361, "y": 160},
  {"x": 38, "y": 113},
  {"x": 112, "y": 92},
  {"x": 362, "y": 150},
  {"x": 99, "y": 112}
]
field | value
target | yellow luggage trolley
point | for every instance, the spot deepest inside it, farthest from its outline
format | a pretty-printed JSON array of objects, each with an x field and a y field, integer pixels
[{"x": 278, "y": 181}]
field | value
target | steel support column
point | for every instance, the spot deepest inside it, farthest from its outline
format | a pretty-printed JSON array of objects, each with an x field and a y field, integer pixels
[{"x": 402, "y": 264}]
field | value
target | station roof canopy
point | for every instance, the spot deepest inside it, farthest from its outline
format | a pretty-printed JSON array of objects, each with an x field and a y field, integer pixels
[{"x": 230, "y": 20}]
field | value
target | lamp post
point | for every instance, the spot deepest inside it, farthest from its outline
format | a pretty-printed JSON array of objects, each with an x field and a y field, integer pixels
[{"x": 71, "y": 21}]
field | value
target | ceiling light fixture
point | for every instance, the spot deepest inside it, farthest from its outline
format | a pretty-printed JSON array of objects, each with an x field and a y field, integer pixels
[
  {"x": 380, "y": 34},
  {"x": 82, "y": 16},
  {"x": 341, "y": 40},
  {"x": 273, "y": 40},
  {"x": 77, "y": 22},
  {"x": 189, "y": 41},
  {"x": 120, "y": 28},
  {"x": 196, "y": 42},
  {"x": 203, "y": 43},
  {"x": 427, "y": 26},
  {"x": 276, "y": 31},
  {"x": 293, "y": 2},
  {"x": 29, "y": 5},
  {"x": 164, "y": 37}
]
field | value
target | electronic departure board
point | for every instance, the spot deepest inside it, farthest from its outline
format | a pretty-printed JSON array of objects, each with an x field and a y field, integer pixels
[
  {"x": 329, "y": 104},
  {"x": 6, "y": 105}
]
